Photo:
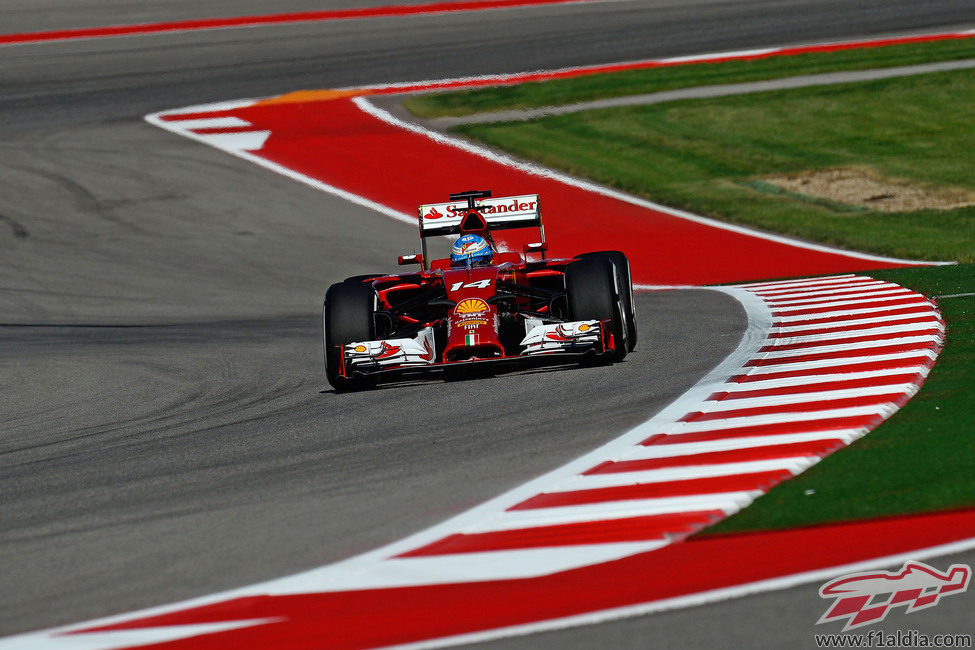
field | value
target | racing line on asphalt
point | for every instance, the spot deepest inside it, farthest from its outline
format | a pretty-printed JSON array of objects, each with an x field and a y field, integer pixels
[{"x": 825, "y": 360}]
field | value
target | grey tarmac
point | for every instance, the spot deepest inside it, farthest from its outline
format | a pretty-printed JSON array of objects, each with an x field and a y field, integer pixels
[{"x": 167, "y": 429}]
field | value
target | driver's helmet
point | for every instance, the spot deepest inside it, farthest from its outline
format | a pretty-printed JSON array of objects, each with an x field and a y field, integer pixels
[{"x": 471, "y": 250}]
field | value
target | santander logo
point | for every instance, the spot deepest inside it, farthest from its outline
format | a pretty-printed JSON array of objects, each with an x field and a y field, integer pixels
[{"x": 865, "y": 598}]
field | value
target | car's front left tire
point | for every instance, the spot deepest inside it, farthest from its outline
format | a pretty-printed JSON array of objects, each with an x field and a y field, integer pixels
[
  {"x": 592, "y": 293},
  {"x": 625, "y": 281}
]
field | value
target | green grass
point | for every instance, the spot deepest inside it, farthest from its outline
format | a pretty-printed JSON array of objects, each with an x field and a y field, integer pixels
[
  {"x": 703, "y": 156},
  {"x": 921, "y": 459},
  {"x": 597, "y": 86}
]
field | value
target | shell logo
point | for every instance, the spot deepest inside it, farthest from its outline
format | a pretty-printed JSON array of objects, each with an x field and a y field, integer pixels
[
  {"x": 584, "y": 327},
  {"x": 360, "y": 348},
  {"x": 471, "y": 306}
]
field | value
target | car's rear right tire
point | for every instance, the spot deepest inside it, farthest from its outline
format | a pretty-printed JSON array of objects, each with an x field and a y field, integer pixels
[
  {"x": 592, "y": 293},
  {"x": 348, "y": 316}
]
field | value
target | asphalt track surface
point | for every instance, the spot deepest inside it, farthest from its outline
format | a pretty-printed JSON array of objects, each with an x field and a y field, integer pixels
[{"x": 167, "y": 431}]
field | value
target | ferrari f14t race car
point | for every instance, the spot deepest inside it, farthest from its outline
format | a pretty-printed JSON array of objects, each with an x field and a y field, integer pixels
[{"x": 481, "y": 307}]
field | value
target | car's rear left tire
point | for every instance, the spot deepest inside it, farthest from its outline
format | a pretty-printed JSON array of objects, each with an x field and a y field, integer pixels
[
  {"x": 348, "y": 316},
  {"x": 592, "y": 293}
]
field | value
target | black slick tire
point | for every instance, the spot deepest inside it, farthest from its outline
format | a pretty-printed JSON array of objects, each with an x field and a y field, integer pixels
[
  {"x": 622, "y": 264},
  {"x": 348, "y": 315},
  {"x": 592, "y": 293}
]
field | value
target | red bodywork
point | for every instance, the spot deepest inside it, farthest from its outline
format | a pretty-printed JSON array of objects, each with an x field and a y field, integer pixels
[
  {"x": 473, "y": 325},
  {"x": 462, "y": 306},
  {"x": 477, "y": 314}
]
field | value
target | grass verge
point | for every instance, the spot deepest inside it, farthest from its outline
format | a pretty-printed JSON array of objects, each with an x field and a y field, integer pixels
[
  {"x": 921, "y": 459},
  {"x": 633, "y": 82},
  {"x": 704, "y": 156}
]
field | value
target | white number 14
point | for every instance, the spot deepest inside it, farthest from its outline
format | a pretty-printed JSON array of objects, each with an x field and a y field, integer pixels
[{"x": 480, "y": 284}]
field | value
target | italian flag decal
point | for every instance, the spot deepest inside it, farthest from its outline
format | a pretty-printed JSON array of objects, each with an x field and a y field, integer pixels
[{"x": 469, "y": 340}]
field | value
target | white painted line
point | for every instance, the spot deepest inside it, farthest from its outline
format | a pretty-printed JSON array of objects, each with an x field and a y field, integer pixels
[
  {"x": 786, "y": 309},
  {"x": 853, "y": 362},
  {"x": 848, "y": 334},
  {"x": 615, "y": 479},
  {"x": 822, "y": 379},
  {"x": 724, "y": 55},
  {"x": 727, "y": 502},
  {"x": 925, "y": 311},
  {"x": 228, "y": 105},
  {"x": 807, "y": 398},
  {"x": 797, "y": 418},
  {"x": 819, "y": 287},
  {"x": 211, "y": 123},
  {"x": 853, "y": 348},
  {"x": 744, "y": 442},
  {"x": 805, "y": 282},
  {"x": 238, "y": 141},
  {"x": 665, "y": 287},
  {"x": 793, "y": 300},
  {"x": 830, "y": 315},
  {"x": 771, "y": 295}
]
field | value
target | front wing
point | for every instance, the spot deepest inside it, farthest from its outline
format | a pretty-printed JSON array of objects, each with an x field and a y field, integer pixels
[{"x": 556, "y": 342}]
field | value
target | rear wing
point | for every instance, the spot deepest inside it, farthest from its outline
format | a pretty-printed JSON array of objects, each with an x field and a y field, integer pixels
[{"x": 502, "y": 213}]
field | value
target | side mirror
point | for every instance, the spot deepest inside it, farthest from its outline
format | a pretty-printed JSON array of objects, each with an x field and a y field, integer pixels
[
  {"x": 415, "y": 258},
  {"x": 538, "y": 247}
]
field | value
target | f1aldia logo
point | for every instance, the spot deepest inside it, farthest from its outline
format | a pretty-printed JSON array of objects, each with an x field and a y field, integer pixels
[{"x": 865, "y": 598}]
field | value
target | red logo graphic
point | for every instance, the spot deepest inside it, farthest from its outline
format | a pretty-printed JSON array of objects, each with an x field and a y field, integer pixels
[
  {"x": 432, "y": 214},
  {"x": 387, "y": 351},
  {"x": 865, "y": 598},
  {"x": 558, "y": 335},
  {"x": 471, "y": 307}
]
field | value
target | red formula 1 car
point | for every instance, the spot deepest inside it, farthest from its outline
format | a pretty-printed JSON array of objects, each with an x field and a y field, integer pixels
[{"x": 455, "y": 319}]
